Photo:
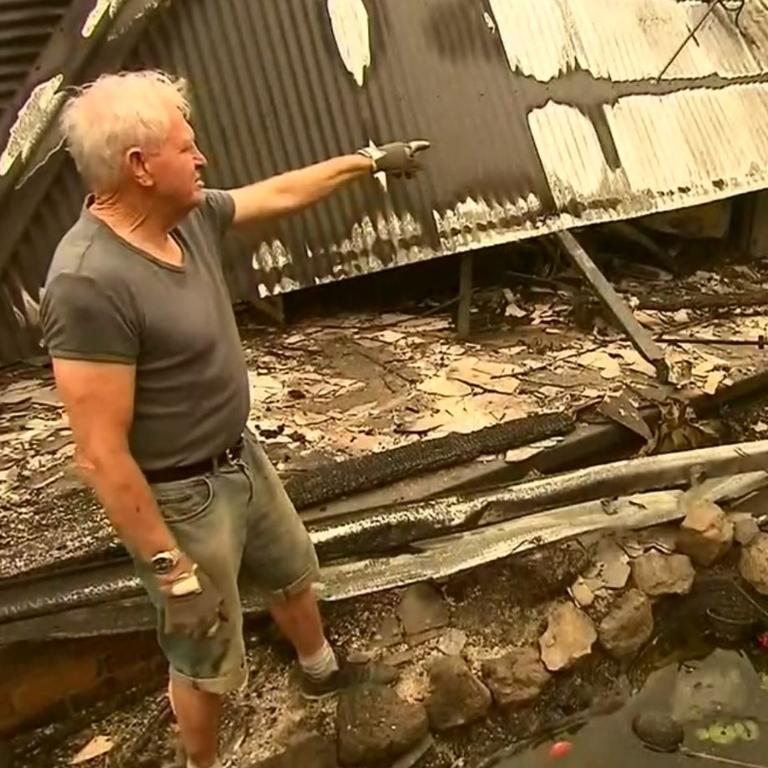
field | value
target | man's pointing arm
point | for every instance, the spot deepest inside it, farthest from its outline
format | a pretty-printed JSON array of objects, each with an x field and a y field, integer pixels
[{"x": 292, "y": 191}]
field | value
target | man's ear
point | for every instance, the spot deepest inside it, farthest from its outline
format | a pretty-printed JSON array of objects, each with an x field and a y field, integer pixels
[{"x": 137, "y": 167}]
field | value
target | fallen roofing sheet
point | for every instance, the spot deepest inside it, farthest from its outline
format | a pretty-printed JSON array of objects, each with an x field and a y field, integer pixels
[
  {"x": 543, "y": 115},
  {"x": 431, "y": 559}
]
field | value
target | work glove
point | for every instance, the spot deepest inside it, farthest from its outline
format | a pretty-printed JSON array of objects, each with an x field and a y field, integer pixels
[
  {"x": 193, "y": 604},
  {"x": 397, "y": 159}
]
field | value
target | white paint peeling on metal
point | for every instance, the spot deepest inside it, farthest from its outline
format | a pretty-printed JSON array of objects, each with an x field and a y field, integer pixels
[
  {"x": 31, "y": 121},
  {"x": 573, "y": 160},
  {"x": 101, "y": 10},
  {"x": 350, "y": 24},
  {"x": 692, "y": 140},
  {"x": 535, "y": 36},
  {"x": 634, "y": 41}
]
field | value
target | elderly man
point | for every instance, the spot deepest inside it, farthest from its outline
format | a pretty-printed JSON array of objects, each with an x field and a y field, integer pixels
[{"x": 148, "y": 362}]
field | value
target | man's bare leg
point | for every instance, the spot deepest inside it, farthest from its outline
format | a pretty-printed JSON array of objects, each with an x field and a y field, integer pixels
[
  {"x": 197, "y": 713},
  {"x": 298, "y": 617}
]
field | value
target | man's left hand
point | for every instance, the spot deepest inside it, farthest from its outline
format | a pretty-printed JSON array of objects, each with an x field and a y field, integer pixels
[{"x": 397, "y": 159}]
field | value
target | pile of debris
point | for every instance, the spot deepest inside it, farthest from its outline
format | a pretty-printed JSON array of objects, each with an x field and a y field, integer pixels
[
  {"x": 416, "y": 458},
  {"x": 484, "y": 648}
]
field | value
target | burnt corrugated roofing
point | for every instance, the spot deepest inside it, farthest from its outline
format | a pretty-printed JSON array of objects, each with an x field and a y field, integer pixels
[
  {"x": 25, "y": 27},
  {"x": 543, "y": 114}
]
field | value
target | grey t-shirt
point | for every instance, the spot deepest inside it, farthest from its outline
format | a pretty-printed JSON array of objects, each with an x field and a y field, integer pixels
[{"x": 105, "y": 300}]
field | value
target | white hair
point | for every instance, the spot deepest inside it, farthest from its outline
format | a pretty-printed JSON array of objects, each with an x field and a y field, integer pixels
[{"x": 104, "y": 119}]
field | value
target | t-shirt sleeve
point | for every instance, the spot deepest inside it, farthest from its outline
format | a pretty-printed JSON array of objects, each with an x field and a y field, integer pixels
[
  {"x": 218, "y": 210},
  {"x": 83, "y": 321}
]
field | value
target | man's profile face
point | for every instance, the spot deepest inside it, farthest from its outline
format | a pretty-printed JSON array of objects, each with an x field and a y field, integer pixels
[{"x": 175, "y": 167}]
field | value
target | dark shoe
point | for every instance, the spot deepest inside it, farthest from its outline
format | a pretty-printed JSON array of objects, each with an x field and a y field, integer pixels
[{"x": 347, "y": 676}]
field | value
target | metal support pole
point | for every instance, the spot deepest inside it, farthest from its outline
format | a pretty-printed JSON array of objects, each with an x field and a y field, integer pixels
[
  {"x": 465, "y": 296},
  {"x": 641, "y": 339}
]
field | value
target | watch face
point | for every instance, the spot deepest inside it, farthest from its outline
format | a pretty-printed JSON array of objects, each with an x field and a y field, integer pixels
[{"x": 162, "y": 564}]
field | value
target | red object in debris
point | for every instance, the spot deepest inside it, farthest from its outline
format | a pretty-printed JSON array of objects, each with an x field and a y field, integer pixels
[
  {"x": 762, "y": 641},
  {"x": 560, "y": 749}
]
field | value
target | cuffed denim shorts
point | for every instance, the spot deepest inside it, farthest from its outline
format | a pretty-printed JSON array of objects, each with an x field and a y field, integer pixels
[{"x": 236, "y": 517}]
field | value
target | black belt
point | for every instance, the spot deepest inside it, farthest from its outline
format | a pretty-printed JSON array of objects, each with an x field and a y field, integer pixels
[{"x": 205, "y": 467}]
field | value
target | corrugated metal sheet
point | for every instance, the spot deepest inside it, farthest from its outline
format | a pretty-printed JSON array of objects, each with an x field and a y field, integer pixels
[
  {"x": 25, "y": 26},
  {"x": 543, "y": 114}
]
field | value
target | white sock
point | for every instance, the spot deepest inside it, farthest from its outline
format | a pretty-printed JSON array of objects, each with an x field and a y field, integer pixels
[
  {"x": 215, "y": 764},
  {"x": 320, "y": 665}
]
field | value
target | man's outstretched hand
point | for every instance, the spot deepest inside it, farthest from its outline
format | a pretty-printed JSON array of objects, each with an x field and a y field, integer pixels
[{"x": 397, "y": 159}]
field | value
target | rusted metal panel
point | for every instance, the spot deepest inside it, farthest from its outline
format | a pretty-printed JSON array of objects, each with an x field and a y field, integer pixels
[{"x": 543, "y": 116}]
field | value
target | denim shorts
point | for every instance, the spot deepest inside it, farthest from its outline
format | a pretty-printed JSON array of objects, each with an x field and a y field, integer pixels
[{"x": 238, "y": 517}]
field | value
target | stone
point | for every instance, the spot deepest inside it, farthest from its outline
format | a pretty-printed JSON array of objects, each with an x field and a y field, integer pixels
[
  {"x": 613, "y": 564},
  {"x": 745, "y": 528},
  {"x": 628, "y": 626},
  {"x": 517, "y": 678},
  {"x": 389, "y": 633},
  {"x": 659, "y": 731},
  {"x": 374, "y": 725},
  {"x": 657, "y": 574},
  {"x": 582, "y": 594},
  {"x": 753, "y": 563},
  {"x": 309, "y": 749},
  {"x": 706, "y": 533},
  {"x": 549, "y": 571},
  {"x": 422, "y": 608},
  {"x": 569, "y": 637},
  {"x": 458, "y": 697},
  {"x": 452, "y": 642}
]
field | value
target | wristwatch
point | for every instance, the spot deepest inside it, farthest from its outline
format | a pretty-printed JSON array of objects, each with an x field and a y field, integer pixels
[{"x": 164, "y": 562}]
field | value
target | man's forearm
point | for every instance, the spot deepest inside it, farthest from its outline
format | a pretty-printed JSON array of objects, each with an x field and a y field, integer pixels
[
  {"x": 129, "y": 503},
  {"x": 295, "y": 190},
  {"x": 313, "y": 183}
]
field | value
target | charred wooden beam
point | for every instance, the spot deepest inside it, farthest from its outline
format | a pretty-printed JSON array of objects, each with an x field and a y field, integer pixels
[
  {"x": 641, "y": 339},
  {"x": 384, "y": 530},
  {"x": 705, "y": 301},
  {"x": 340, "y": 478}
]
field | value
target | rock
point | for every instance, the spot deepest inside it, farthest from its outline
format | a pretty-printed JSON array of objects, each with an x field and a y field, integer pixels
[
  {"x": 374, "y": 725},
  {"x": 569, "y": 637},
  {"x": 706, "y": 533},
  {"x": 452, "y": 642},
  {"x": 753, "y": 564},
  {"x": 745, "y": 528},
  {"x": 659, "y": 731},
  {"x": 422, "y": 608},
  {"x": 310, "y": 749},
  {"x": 628, "y": 625},
  {"x": 549, "y": 571},
  {"x": 612, "y": 563},
  {"x": 457, "y": 697},
  {"x": 582, "y": 594},
  {"x": 517, "y": 678},
  {"x": 389, "y": 633},
  {"x": 657, "y": 574}
]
